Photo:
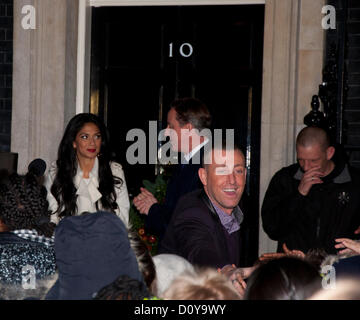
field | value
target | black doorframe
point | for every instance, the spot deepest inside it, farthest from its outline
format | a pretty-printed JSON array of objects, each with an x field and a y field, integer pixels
[{"x": 253, "y": 75}]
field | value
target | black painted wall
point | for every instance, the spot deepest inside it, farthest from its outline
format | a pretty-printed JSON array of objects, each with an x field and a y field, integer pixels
[
  {"x": 6, "y": 54},
  {"x": 342, "y": 58},
  {"x": 352, "y": 84}
]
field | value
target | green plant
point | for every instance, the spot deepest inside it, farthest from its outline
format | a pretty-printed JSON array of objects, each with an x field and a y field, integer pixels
[{"x": 137, "y": 220}]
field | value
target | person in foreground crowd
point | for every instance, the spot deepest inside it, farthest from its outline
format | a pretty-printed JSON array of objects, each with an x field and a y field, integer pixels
[
  {"x": 311, "y": 203},
  {"x": 26, "y": 242},
  {"x": 286, "y": 278},
  {"x": 168, "y": 267},
  {"x": 203, "y": 284},
  {"x": 143, "y": 256},
  {"x": 124, "y": 288},
  {"x": 186, "y": 115},
  {"x": 84, "y": 179},
  {"x": 92, "y": 250},
  {"x": 205, "y": 227}
]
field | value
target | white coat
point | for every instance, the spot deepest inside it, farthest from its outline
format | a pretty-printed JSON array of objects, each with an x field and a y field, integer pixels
[{"x": 88, "y": 193}]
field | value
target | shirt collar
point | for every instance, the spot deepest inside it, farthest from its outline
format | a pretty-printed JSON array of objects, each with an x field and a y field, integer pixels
[
  {"x": 33, "y": 235},
  {"x": 93, "y": 174},
  {"x": 230, "y": 222}
]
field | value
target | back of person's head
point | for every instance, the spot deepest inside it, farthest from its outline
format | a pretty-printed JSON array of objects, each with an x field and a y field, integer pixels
[
  {"x": 316, "y": 257},
  {"x": 143, "y": 257},
  {"x": 204, "y": 284},
  {"x": 168, "y": 267},
  {"x": 194, "y": 111},
  {"x": 23, "y": 204},
  {"x": 310, "y": 136},
  {"x": 124, "y": 288},
  {"x": 286, "y": 278},
  {"x": 92, "y": 250}
]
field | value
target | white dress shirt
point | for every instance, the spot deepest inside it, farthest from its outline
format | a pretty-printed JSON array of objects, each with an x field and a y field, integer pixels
[{"x": 88, "y": 193}]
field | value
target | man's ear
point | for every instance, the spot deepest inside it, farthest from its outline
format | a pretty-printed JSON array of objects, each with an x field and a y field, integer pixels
[
  {"x": 188, "y": 126},
  {"x": 330, "y": 152},
  {"x": 203, "y": 176}
]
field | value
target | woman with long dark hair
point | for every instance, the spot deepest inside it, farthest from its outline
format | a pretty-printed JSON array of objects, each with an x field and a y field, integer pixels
[{"x": 84, "y": 179}]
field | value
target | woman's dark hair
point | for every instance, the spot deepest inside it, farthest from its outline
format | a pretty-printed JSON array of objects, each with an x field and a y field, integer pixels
[
  {"x": 63, "y": 188},
  {"x": 286, "y": 278},
  {"x": 23, "y": 204}
]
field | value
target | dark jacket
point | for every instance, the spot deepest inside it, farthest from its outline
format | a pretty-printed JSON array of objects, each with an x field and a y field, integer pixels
[
  {"x": 184, "y": 180},
  {"x": 92, "y": 250},
  {"x": 17, "y": 253},
  {"x": 195, "y": 232},
  {"x": 330, "y": 210}
]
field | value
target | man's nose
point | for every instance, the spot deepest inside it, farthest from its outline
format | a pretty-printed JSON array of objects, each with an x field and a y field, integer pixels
[
  {"x": 307, "y": 165},
  {"x": 231, "y": 178}
]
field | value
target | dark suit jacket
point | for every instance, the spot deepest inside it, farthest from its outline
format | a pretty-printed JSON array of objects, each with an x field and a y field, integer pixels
[
  {"x": 195, "y": 232},
  {"x": 184, "y": 180}
]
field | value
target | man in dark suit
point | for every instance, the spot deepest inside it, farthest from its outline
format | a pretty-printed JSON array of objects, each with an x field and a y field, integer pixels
[
  {"x": 187, "y": 118},
  {"x": 205, "y": 227}
]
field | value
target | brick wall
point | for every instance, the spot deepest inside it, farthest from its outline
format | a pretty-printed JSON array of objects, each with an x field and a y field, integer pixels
[{"x": 6, "y": 53}]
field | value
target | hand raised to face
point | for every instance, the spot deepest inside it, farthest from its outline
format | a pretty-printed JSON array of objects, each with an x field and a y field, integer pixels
[{"x": 309, "y": 178}]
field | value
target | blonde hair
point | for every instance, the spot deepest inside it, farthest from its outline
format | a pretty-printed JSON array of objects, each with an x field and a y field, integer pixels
[{"x": 203, "y": 284}]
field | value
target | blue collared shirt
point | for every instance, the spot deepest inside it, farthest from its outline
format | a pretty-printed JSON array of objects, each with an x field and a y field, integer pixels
[{"x": 230, "y": 222}]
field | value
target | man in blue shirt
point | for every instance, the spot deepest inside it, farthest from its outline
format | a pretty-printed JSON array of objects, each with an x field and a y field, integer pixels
[{"x": 205, "y": 227}]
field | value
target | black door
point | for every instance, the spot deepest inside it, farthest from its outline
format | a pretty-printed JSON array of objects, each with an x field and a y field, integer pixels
[{"x": 145, "y": 57}]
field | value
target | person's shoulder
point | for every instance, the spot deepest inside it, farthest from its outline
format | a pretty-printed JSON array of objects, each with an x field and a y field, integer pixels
[
  {"x": 8, "y": 237},
  {"x": 191, "y": 204},
  {"x": 191, "y": 198},
  {"x": 287, "y": 171},
  {"x": 26, "y": 247},
  {"x": 354, "y": 174}
]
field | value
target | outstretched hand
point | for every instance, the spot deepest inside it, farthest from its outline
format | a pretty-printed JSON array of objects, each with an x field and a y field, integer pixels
[
  {"x": 352, "y": 247},
  {"x": 286, "y": 253},
  {"x": 144, "y": 200},
  {"x": 237, "y": 276}
]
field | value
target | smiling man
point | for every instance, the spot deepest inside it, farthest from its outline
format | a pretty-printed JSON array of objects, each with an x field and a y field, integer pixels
[
  {"x": 310, "y": 203},
  {"x": 205, "y": 227}
]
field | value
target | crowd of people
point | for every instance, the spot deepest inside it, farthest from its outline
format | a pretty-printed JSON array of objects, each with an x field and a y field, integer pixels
[{"x": 69, "y": 237}]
